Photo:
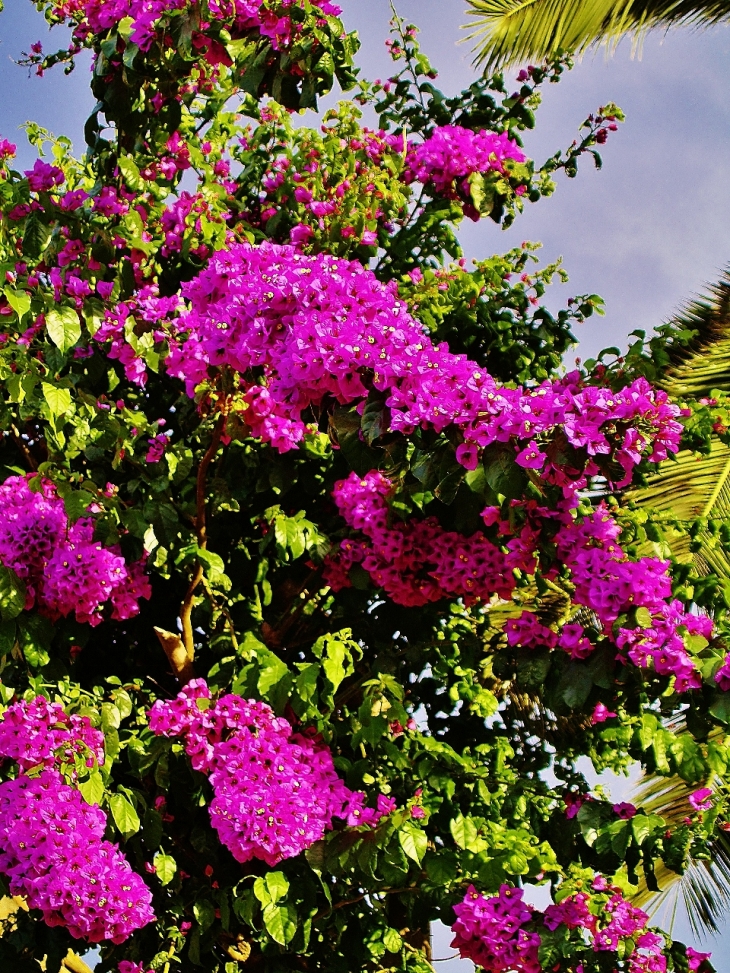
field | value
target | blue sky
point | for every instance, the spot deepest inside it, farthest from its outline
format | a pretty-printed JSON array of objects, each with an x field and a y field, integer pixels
[{"x": 647, "y": 232}]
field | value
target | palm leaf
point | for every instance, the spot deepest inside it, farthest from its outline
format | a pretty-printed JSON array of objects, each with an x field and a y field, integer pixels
[
  {"x": 690, "y": 488},
  {"x": 703, "y": 365},
  {"x": 705, "y": 886},
  {"x": 694, "y": 486},
  {"x": 509, "y": 32}
]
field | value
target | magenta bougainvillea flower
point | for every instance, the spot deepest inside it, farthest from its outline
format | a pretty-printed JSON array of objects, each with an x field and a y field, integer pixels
[
  {"x": 52, "y": 846},
  {"x": 64, "y": 569}
]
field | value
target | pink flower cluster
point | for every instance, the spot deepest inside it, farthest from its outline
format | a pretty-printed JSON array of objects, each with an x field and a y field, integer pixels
[
  {"x": 51, "y": 840},
  {"x": 491, "y": 932},
  {"x": 502, "y": 933},
  {"x": 40, "y": 733},
  {"x": 53, "y": 851},
  {"x": 64, "y": 569},
  {"x": 328, "y": 204},
  {"x": 148, "y": 309},
  {"x": 276, "y": 792},
  {"x": 451, "y": 154},
  {"x": 300, "y": 329},
  {"x": 101, "y": 15},
  {"x": 415, "y": 561},
  {"x": 610, "y": 584}
]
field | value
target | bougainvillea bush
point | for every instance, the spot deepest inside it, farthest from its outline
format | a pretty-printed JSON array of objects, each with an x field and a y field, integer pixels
[{"x": 315, "y": 577}]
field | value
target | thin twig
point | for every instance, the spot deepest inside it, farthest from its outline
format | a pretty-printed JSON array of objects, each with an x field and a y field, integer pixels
[
  {"x": 18, "y": 439},
  {"x": 186, "y": 608},
  {"x": 170, "y": 954},
  {"x": 358, "y": 898}
]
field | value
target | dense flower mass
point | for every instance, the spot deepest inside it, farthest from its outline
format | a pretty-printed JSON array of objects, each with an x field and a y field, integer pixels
[
  {"x": 98, "y": 16},
  {"x": 51, "y": 839},
  {"x": 276, "y": 792},
  {"x": 611, "y": 585},
  {"x": 300, "y": 329},
  {"x": 502, "y": 933},
  {"x": 53, "y": 851},
  {"x": 416, "y": 561},
  {"x": 38, "y": 732},
  {"x": 631, "y": 601},
  {"x": 64, "y": 569},
  {"x": 492, "y": 933},
  {"x": 452, "y": 154}
]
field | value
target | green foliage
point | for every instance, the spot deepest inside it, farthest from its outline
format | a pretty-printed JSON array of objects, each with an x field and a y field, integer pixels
[{"x": 426, "y": 706}]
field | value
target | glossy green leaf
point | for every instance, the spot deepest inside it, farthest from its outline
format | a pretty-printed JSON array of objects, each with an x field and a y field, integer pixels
[
  {"x": 64, "y": 327},
  {"x": 125, "y": 816}
]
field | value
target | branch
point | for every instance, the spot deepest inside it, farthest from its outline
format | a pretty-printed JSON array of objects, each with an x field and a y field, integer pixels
[
  {"x": 23, "y": 447},
  {"x": 186, "y": 609},
  {"x": 358, "y": 898},
  {"x": 180, "y": 661}
]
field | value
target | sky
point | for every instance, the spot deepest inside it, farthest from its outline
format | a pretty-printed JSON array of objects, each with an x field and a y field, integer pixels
[{"x": 648, "y": 232}]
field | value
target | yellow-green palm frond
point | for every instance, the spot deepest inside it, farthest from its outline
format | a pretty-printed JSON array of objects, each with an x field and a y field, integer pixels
[
  {"x": 696, "y": 486},
  {"x": 704, "y": 888},
  {"x": 703, "y": 365},
  {"x": 510, "y": 32},
  {"x": 691, "y": 487}
]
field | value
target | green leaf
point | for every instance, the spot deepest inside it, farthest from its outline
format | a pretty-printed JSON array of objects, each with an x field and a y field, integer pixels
[
  {"x": 204, "y": 912},
  {"x": 36, "y": 237},
  {"x": 8, "y": 634},
  {"x": 413, "y": 841},
  {"x": 482, "y": 193},
  {"x": 34, "y": 635},
  {"x": 273, "y": 670},
  {"x": 19, "y": 301},
  {"x": 591, "y": 818},
  {"x": 442, "y": 868},
  {"x": 125, "y": 816},
  {"x": 643, "y": 617},
  {"x": 12, "y": 594},
  {"x": 110, "y": 717},
  {"x": 465, "y": 833},
  {"x": 92, "y": 789},
  {"x": 212, "y": 562},
  {"x": 336, "y": 655},
  {"x": 64, "y": 328},
  {"x": 575, "y": 685},
  {"x": 643, "y": 825},
  {"x": 59, "y": 400},
  {"x": 271, "y": 888},
  {"x": 306, "y": 682},
  {"x": 392, "y": 940},
  {"x": 281, "y": 923},
  {"x": 720, "y": 708},
  {"x": 165, "y": 868}
]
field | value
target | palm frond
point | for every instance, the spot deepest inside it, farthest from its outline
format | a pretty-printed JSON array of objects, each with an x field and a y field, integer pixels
[
  {"x": 702, "y": 365},
  {"x": 690, "y": 488},
  {"x": 509, "y": 32},
  {"x": 704, "y": 888},
  {"x": 694, "y": 486}
]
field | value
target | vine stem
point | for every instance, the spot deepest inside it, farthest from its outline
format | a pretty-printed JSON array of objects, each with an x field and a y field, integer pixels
[
  {"x": 170, "y": 954},
  {"x": 358, "y": 898},
  {"x": 186, "y": 609}
]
